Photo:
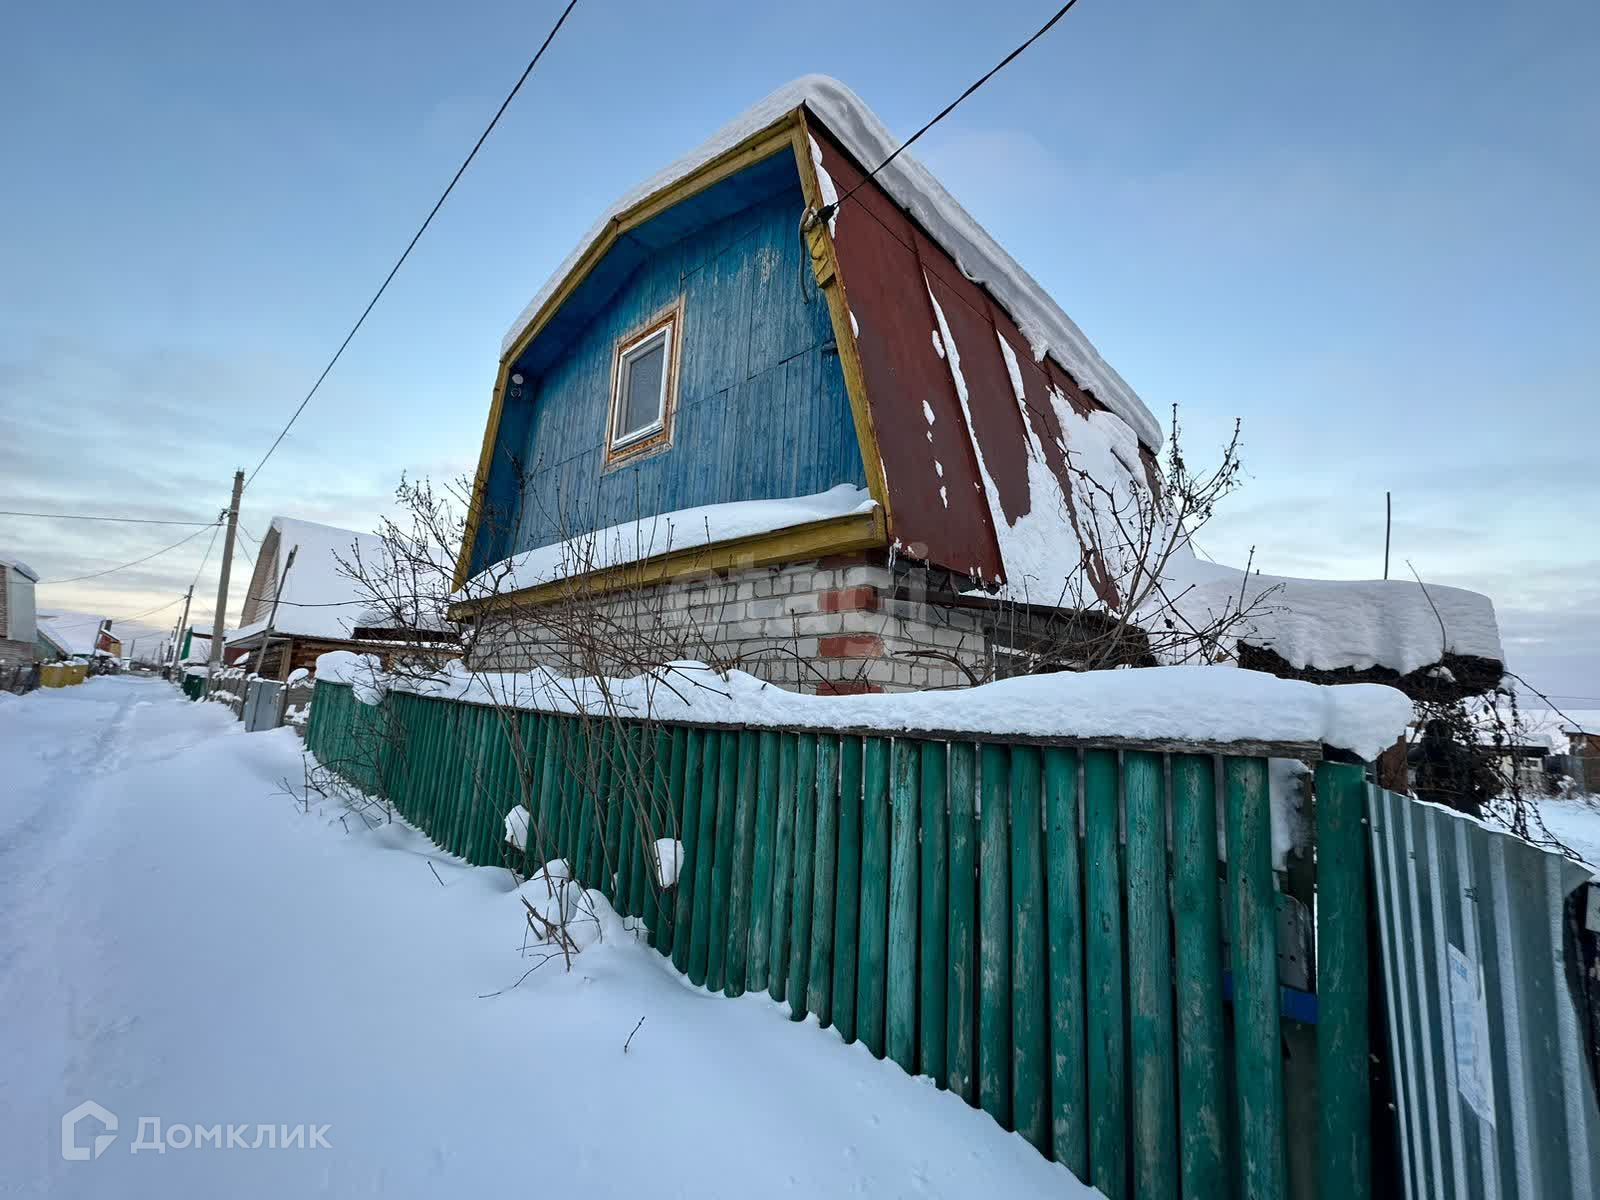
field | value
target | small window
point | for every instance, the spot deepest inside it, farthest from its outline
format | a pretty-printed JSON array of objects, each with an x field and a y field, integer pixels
[{"x": 642, "y": 386}]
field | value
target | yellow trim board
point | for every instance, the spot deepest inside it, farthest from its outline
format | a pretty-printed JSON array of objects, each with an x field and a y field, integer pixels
[
  {"x": 825, "y": 268},
  {"x": 797, "y": 543}
]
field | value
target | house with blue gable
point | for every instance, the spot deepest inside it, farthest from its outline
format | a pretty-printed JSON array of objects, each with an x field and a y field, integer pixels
[{"x": 788, "y": 408}]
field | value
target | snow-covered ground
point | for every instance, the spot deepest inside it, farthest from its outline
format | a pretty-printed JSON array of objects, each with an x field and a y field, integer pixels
[
  {"x": 1577, "y": 823},
  {"x": 178, "y": 940}
]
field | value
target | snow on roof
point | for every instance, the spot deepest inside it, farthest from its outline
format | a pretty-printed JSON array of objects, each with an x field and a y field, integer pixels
[
  {"x": 199, "y": 649},
  {"x": 316, "y": 598},
  {"x": 1048, "y": 329},
  {"x": 74, "y": 632},
  {"x": 684, "y": 529},
  {"x": 1328, "y": 624},
  {"x": 17, "y": 565},
  {"x": 1215, "y": 704},
  {"x": 1320, "y": 624}
]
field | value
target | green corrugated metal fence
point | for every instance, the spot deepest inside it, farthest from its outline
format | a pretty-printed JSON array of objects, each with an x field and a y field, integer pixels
[{"x": 1039, "y": 929}]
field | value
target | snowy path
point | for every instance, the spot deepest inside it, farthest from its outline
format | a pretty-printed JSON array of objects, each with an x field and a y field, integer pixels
[{"x": 178, "y": 940}]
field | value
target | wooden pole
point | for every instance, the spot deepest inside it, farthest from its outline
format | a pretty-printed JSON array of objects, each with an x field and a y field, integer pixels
[{"x": 220, "y": 621}]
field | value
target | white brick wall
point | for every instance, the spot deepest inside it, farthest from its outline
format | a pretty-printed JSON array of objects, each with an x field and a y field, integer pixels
[{"x": 770, "y": 622}]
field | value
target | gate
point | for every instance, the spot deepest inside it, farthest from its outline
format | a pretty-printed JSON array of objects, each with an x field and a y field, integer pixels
[{"x": 1482, "y": 938}]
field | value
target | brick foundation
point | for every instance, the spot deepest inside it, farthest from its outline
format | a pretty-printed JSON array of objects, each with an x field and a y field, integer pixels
[{"x": 844, "y": 624}]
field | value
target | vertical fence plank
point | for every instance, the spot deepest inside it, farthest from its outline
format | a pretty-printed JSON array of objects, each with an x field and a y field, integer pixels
[
  {"x": 1154, "y": 1075},
  {"x": 485, "y": 852},
  {"x": 566, "y": 790},
  {"x": 994, "y": 934},
  {"x": 801, "y": 899},
  {"x": 672, "y": 830},
  {"x": 549, "y": 780},
  {"x": 900, "y": 986},
  {"x": 722, "y": 877},
  {"x": 1258, "y": 1062},
  {"x": 577, "y": 796},
  {"x": 872, "y": 944},
  {"x": 483, "y": 849},
  {"x": 705, "y": 858},
  {"x": 1197, "y": 921},
  {"x": 1030, "y": 1059},
  {"x": 616, "y": 803},
  {"x": 847, "y": 889},
  {"x": 737, "y": 956},
  {"x": 1064, "y": 898},
  {"x": 623, "y": 780},
  {"x": 824, "y": 857},
  {"x": 933, "y": 919},
  {"x": 466, "y": 783},
  {"x": 1103, "y": 970},
  {"x": 782, "y": 870},
  {"x": 658, "y": 822},
  {"x": 1344, "y": 1139},
  {"x": 757, "y": 976},
  {"x": 600, "y": 808},
  {"x": 683, "y": 916},
  {"x": 961, "y": 997},
  {"x": 481, "y": 797},
  {"x": 425, "y": 757},
  {"x": 638, "y": 783},
  {"x": 596, "y": 803}
]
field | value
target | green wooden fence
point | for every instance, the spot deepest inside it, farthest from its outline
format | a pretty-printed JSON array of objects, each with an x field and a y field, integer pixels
[{"x": 1043, "y": 930}]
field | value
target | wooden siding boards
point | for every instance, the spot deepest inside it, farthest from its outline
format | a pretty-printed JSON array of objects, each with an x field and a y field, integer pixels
[{"x": 762, "y": 411}]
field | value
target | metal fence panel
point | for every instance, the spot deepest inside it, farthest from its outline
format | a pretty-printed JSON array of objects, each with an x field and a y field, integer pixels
[
  {"x": 1493, "y": 1090},
  {"x": 262, "y": 707}
]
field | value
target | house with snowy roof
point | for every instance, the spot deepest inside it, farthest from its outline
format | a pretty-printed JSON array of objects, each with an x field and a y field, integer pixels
[
  {"x": 18, "y": 623},
  {"x": 304, "y": 600},
  {"x": 814, "y": 415},
  {"x": 68, "y": 633}
]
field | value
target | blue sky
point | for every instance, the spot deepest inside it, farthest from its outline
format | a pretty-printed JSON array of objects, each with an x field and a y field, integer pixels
[{"x": 1366, "y": 229}]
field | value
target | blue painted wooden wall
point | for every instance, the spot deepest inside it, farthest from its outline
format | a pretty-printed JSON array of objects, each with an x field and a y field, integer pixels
[{"x": 762, "y": 409}]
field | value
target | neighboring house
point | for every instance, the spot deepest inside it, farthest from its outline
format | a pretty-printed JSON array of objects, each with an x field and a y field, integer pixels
[
  {"x": 1582, "y": 759},
  {"x": 72, "y": 634},
  {"x": 845, "y": 446},
  {"x": 19, "y": 631},
  {"x": 294, "y": 612},
  {"x": 1522, "y": 762},
  {"x": 194, "y": 647}
]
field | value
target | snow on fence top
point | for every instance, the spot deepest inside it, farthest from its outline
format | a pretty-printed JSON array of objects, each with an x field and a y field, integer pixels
[
  {"x": 683, "y": 529},
  {"x": 1215, "y": 705},
  {"x": 1048, "y": 329}
]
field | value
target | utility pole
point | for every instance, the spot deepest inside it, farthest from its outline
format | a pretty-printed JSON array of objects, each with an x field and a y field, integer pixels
[
  {"x": 219, "y": 621},
  {"x": 183, "y": 623}
]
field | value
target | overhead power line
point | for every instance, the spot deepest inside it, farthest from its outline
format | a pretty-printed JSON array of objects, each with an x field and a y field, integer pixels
[
  {"x": 204, "y": 558},
  {"x": 88, "y": 517},
  {"x": 416, "y": 237},
  {"x": 829, "y": 210},
  {"x": 126, "y": 565},
  {"x": 93, "y": 620}
]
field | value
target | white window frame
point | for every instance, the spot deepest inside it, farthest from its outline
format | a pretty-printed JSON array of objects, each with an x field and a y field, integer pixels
[{"x": 661, "y": 334}]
